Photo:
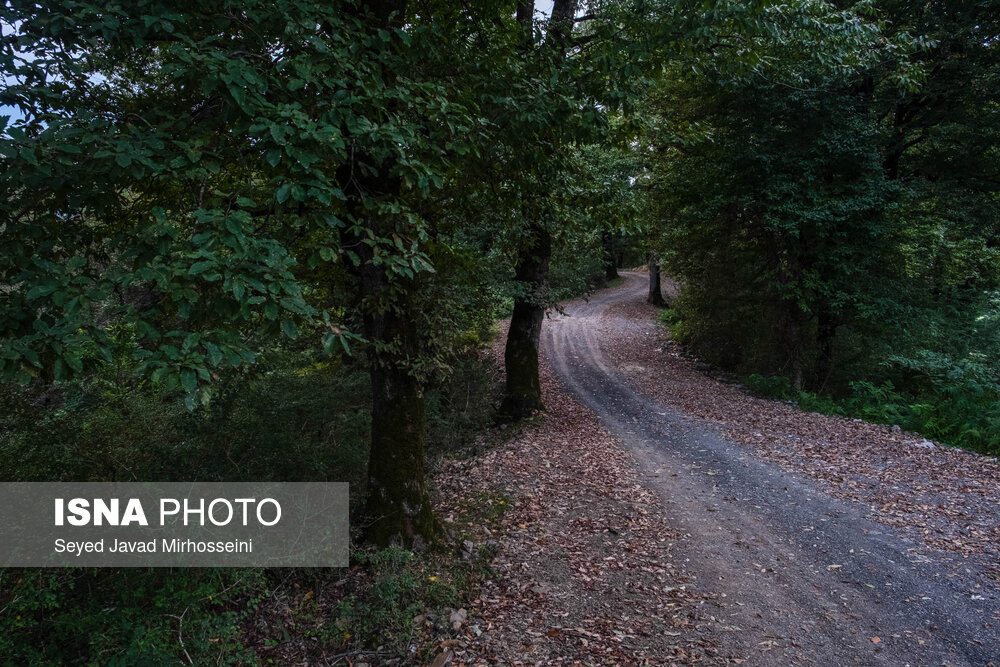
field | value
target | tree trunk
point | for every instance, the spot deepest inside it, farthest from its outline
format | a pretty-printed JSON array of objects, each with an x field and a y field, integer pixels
[
  {"x": 524, "y": 390},
  {"x": 397, "y": 504},
  {"x": 826, "y": 336},
  {"x": 610, "y": 259},
  {"x": 794, "y": 348},
  {"x": 525, "y": 15},
  {"x": 523, "y": 393},
  {"x": 655, "y": 294}
]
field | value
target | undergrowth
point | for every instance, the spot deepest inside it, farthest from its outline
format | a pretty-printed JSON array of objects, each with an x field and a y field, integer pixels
[
  {"x": 958, "y": 416},
  {"x": 953, "y": 402},
  {"x": 293, "y": 418}
]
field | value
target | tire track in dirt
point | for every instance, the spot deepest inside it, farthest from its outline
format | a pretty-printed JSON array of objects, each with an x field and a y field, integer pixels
[{"x": 800, "y": 577}]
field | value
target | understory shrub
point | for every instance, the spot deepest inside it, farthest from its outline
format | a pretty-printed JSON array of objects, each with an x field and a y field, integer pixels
[{"x": 293, "y": 418}]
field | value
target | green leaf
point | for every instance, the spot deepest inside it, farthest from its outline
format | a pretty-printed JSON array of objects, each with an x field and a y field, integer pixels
[
  {"x": 40, "y": 291},
  {"x": 282, "y": 194},
  {"x": 189, "y": 380},
  {"x": 73, "y": 362},
  {"x": 214, "y": 354}
]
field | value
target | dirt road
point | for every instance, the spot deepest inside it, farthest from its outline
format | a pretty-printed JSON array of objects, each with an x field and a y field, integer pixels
[{"x": 798, "y": 576}]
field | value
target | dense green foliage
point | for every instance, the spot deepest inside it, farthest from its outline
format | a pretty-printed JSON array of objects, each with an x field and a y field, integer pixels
[
  {"x": 837, "y": 225},
  {"x": 264, "y": 240},
  {"x": 189, "y": 185}
]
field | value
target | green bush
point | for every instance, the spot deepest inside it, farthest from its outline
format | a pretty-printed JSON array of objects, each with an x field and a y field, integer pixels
[
  {"x": 779, "y": 387},
  {"x": 771, "y": 386},
  {"x": 283, "y": 423},
  {"x": 400, "y": 587},
  {"x": 76, "y": 616},
  {"x": 953, "y": 412}
]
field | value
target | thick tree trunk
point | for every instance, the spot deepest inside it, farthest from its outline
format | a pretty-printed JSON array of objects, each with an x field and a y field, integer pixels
[
  {"x": 524, "y": 390},
  {"x": 655, "y": 294},
  {"x": 397, "y": 505}
]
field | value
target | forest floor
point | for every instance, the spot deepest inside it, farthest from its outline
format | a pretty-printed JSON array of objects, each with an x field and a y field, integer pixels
[{"x": 661, "y": 516}]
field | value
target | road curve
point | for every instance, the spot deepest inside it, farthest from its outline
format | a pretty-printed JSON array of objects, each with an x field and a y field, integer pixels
[{"x": 799, "y": 577}]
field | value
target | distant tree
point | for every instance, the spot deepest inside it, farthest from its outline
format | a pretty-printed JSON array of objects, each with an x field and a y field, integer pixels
[{"x": 655, "y": 296}]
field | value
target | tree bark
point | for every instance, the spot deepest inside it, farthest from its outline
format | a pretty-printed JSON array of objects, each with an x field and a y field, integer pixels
[
  {"x": 561, "y": 22},
  {"x": 826, "y": 336},
  {"x": 655, "y": 294},
  {"x": 523, "y": 393},
  {"x": 525, "y": 15},
  {"x": 610, "y": 259},
  {"x": 397, "y": 505},
  {"x": 794, "y": 348},
  {"x": 524, "y": 390}
]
